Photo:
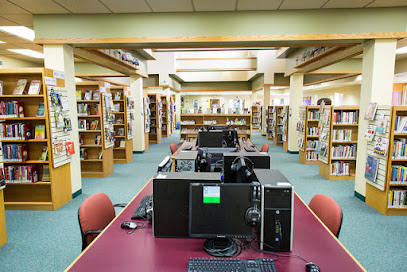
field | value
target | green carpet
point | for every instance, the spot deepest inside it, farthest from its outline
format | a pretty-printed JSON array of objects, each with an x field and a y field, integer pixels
[{"x": 50, "y": 241}]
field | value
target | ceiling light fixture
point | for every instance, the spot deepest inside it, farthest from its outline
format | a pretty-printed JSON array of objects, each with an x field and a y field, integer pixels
[
  {"x": 19, "y": 31},
  {"x": 2, "y": 42},
  {"x": 401, "y": 50},
  {"x": 28, "y": 52}
]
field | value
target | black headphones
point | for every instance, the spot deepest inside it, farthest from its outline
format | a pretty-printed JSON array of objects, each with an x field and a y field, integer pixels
[{"x": 253, "y": 214}]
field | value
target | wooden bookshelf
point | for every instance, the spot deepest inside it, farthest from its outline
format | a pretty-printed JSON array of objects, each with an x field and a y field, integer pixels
[
  {"x": 332, "y": 127},
  {"x": 378, "y": 192},
  {"x": 93, "y": 167},
  {"x": 121, "y": 125},
  {"x": 190, "y": 124},
  {"x": 173, "y": 119},
  {"x": 256, "y": 117},
  {"x": 270, "y": 122},
  {"x": 278, "y": 121},
  {"x": 166, "y": 116},
  {"x": 285, "y": 113},
  {"x": 47, "y": 195},
  {"x": 307, "y": 126},
  {"x": 155, "y": 118}
]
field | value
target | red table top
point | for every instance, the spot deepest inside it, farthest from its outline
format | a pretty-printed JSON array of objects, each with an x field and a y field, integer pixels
[{"x": 116, "y": 250}]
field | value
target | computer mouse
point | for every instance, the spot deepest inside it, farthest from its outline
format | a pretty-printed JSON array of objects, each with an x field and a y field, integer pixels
[
  {"x": 128, "y": 225},
  {"x": 311, "y": 267}
]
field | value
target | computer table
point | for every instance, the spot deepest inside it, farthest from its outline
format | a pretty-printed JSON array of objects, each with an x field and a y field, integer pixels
[{"x": 118, "y": 250}]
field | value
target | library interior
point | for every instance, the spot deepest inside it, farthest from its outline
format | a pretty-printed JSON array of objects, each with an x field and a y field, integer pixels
[{"x": 202, "y": 135}]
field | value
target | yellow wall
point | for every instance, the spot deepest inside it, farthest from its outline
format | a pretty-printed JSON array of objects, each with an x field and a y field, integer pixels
[
  {"x": 351, "y": 94},
  {"x": 17, "y": 63}
]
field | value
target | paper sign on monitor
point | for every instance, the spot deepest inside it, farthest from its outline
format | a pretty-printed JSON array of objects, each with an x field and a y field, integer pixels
[{"x": 211, "y": 194}]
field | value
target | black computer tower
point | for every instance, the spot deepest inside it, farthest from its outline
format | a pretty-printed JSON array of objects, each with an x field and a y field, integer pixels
[
  {"x": 171, "y": 201},
  {"x": 260, "y": 160},
  {"x": 186, "y": 161},
  {"x": 277, "y": 210}
]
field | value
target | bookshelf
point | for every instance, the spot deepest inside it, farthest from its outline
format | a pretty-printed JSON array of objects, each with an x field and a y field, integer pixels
[
  {"x": 95, "y": 148},
  {"x": 146, "y": 106},
  {"x": 155, "y": 118},
  {"x": 123, "y": 106},
  {"x": 166, "y": 116},
  {"x": 387, "y": 192},
  {"x": 173, "y": 119},
  {"x": 256, "y": 117},
  {"x": 285, "y": 127},
  {"x": 49, "y": 186},
  {"x": 270, "y": 122},
  {"x": 190, "y": 123},
  {"x": 338, "y": 131},
  {"x": 278, "y": 125},
  {"x": 307, "y": 126}
]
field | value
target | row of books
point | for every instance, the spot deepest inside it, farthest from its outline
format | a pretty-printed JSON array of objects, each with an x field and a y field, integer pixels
[
  {"x": 345, "y": 117},
  {"x": 16, "y": 131},
  {"x": 88, "y": 95},
  {"x": 342, "y": 135},
  {"x": 313, "y": 131},
  {"x": 399, "y": 149},
  {"x": 312, "y": 144},
  {"x": 312, "y": 156},
  {"x": 83, "y": 124},
  {"x": 397, "y": 198},
  {"x": 21, "y": 174},
  {"x": 340, "y": 168},
  {"x": 188, "y": 122},
  {"x": 313, "y": 115},
  {"x": 11, "y": 109},
  {"x": 15, "y": 153},
  {"x": 398, "y": 174},
  {"x": 344, "y": 151},
  {"x": 400, "y": 125},
  {"x": 35, "y": 87},
  {"x": 84, "y": 109}
]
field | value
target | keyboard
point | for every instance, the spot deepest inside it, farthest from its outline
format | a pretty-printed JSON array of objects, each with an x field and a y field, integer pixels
[
  {"x": 230, "y": 265},
  {"x": 249, "y": 149},
  {"x": 187, "y": 147},
  {"x": 140, "y": 212}
]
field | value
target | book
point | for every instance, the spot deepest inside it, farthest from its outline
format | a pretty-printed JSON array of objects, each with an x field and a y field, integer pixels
[
  {"x": 117, "y": 96},
  {"x": 21, "y": 84},
  {"x": 58, "y": 147},
  {"x": 119, "y": 120},
  {"x": 116, "y": 107},
  {"x": 78, "y": 95},
  {"x": 70, "y": 147},
  {"x": 372, "y": 165},
  {"x": 369, "y": 133},
  {"x": 68, "y": 124},
  {"x": 94, "y": 124},
  {"x": 100, "y": 154},
  {"x": 371, "y": 111},
  {"x": 81, "y": 139},
  {"x": 120, "y": 132},
  {"x": 122, "y": 143},
  {"x": 35, "y": 87},
  {"x": 1, "y": 89},
  {"x": 88, "y": 95},
  {"x": 20, "y": 109},
  {"x": 83, "y": 153},
  {"x": 97, "y": 140},
  {"x": 41, "y": 110},
  {"x": 55, "y": 98},
  {"x": 96, "y": 94},
  {"x": 59, "y": 120},
  {"x": 39, "y": 132},
  {"x": 96, "y": 107},
  {"x": 44, "y": 153},
  {"x": 382, "y": 126},
  {"x": 381, "y": 146},
  {"x": 82, "y": 124},
  {"x": 45, "y": 173}
]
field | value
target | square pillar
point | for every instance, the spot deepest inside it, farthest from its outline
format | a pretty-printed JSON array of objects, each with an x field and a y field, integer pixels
[
  {"x": 266, "y": 103},
  {"x": 296, "y": 94},
  {"x": 136, "y": 88}
]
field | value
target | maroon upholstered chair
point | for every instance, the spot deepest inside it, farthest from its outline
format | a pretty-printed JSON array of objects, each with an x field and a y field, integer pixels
[
  {"x": 95, "y": 213},
  {"x": 328, "y": 211},
  {"x": 173, "y": 148},
  {"x": 264, "y": 148}
]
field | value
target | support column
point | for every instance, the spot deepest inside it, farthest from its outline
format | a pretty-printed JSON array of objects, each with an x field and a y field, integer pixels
[
  {"x": 177, "y": 107},
  {"x": 296, "y": 94},
  {"x": 377, "y": 86},
  {"x": 266, "y": 103},
  {"x": 136, "y": 88},
  {"x": 60, "y": 57}
]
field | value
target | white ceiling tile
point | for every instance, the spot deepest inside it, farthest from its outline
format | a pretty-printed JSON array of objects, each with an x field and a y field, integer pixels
[
  {"x": 170, "y": 6},
  {"x": 25, "y": 20},
  {"x": 215, "y": 5},
  {"x": 5, "y": 22},
  {"x": 127, "y": 6},
  {"x": 10, "y": 8},
  {"x": 387, "y": 3},
  {"x": 302, "y": 4},
  {"x": 40, "y": 6},
  {"x": 258, "y": 4},
  {"x": 347, "y": 3},
  {"x": 80, "y": 6}
]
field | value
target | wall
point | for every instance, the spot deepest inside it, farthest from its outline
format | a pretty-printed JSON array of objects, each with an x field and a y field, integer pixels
[
  {"x": 351, "y": 94},
  {"x": 17, "y": 63}
]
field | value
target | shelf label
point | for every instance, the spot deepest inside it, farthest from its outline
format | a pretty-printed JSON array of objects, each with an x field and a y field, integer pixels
[
  {"x": 50, "y": 81},
  {"x": 59, "y": 74}
]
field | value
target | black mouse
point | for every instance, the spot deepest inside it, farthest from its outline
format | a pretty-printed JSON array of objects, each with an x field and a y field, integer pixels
[
  {"x": 311, "y": 267},
  {"x": 129, "y": 225}
]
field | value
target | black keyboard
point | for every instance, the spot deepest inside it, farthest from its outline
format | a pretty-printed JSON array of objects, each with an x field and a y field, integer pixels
[
  {"x": 140, "y": 212},
  {"x": 249, "y": 149},
  {"x": 230, "y": 265}
]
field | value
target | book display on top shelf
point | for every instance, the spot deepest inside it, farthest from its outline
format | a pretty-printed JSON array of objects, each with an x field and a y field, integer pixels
[
  {"x": 256, "y": 117},
  {"x": 155, "y": 108},
  {"x": 95, "y": 129},
  {"x": 36, "y": 172},
  {"x": 278, "y": 125},
  {"x": 284, "y": 113},
  {"x": 270, "y": 122}
]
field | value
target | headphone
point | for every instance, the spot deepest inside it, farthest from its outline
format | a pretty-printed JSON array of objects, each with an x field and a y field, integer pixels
[
  {"x": 253, "y": 214},
  {"x": 249, "y": 167}
]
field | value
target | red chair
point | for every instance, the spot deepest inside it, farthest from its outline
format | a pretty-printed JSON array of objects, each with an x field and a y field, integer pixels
[
  {"x": 173, "y": 148},
  {"x": 95, "y": 213},
  {"x": 264, "y": 148},
  {"x": 328, "y": 211}
]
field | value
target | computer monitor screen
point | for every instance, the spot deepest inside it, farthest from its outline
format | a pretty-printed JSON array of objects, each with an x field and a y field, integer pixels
[
  {"x": 211, "y": 158},
  {"x": 218, "y": 210},
  {"x": 212, "y": 138}
]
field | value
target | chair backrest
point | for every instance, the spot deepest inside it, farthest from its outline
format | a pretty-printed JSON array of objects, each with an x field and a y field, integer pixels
[
  {"x": 95, "y": 213},
  {"x": 328, "y": 211},
  {"x": 264, "y": 148},
  {"x": 173, "y": 148}
]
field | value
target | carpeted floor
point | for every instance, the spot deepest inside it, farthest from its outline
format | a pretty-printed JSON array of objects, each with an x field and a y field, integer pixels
[{"x": 50, "y": 241}]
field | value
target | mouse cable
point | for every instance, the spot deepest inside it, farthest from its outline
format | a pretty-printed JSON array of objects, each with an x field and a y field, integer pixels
[{"x": 274, "y": 253}]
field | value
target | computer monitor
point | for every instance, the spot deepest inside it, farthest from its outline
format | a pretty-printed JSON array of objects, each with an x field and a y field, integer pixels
[
  {"x": 210, "y": 159},
  {"x": 218, "y": 212},
  {"x": 165, "y": 165},
  {"x": 212, "y": 138},
  {"x": 261, "y": 160}
]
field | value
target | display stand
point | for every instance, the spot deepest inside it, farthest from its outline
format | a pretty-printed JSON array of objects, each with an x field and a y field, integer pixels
[
  {"x": 49, "y": 185},
  {"x": 155, "y": 118},
  {"x": 166, "y": 117},
  {"x": 173, "y": 120},
  {"x": 307, "y": 126},
  {"x": 270, "y": 122},
  {"x": 95, "y": 143},
  {"x": 278, "y": 124},
  {"x": 146, "y": 106},
  {"x": 123, "y": 125},
  {"x": 256, "y": 117},
  {"x": 285, "y": 127}
]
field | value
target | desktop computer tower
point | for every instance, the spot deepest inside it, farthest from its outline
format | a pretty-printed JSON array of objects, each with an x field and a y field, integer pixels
[
  {"x": 260, "y": 160},
  {"x": 277, "y": 210},
  {"x": 171, "y": 201},
  {"x": 186, "y": 161}
]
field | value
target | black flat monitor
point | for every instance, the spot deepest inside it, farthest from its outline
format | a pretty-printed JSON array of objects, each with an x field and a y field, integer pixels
[
  {"x": 260, "y": 160},
  {"x": 210, "y": 159},
  {"x": 212, "y": 138},
  {"x": 217, "y": 212},
  {"x": 165, "y": 165}
]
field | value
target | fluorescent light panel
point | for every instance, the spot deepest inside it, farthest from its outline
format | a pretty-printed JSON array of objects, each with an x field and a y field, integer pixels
[
  {"x": 401, "y": 50},
  {"x": 2, "y": 42},
  {"x": 19, "y": 31},
  {"x": 28, "y": 52}
]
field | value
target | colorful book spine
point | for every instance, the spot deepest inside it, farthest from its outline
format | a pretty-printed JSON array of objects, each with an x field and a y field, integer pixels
[
  {"x": 342, "y": 135},
  {"x": 344, "y": 152}
]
